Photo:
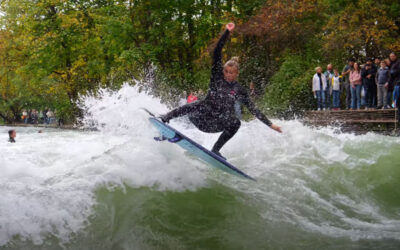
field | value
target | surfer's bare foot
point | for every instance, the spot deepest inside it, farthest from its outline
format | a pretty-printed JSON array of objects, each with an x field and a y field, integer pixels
[{"x": 219, "y": 154}]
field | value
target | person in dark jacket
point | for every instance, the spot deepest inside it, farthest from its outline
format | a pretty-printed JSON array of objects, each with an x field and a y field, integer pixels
[
  {"x": 394, "y": 77},
  {"x": 346, "y": 77},
  {"x": 216, "y": 113},
  {"x": 394, "y": 80},
  {"x": 45, "y": 118},
  {"x": 368, "y": 74},
  {"x": 329, "y": 74},
  {"x": 382, "y": 82}
]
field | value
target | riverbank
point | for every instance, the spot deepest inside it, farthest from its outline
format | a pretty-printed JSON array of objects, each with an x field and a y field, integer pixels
[
  {"x": 357, "y": 121},
  {"x": 66, "y": 126}
]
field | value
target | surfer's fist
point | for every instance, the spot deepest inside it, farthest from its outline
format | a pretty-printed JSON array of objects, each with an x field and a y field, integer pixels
[
  {"x": 276, "y": 128},
  {"x": 230, "y": 26}
]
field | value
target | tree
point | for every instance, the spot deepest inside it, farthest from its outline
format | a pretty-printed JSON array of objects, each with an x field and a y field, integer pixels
[{"x": 362, "y": 29}]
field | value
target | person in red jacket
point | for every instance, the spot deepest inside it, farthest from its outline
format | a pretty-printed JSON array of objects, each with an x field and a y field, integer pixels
[{"x": 192, "y": 97}]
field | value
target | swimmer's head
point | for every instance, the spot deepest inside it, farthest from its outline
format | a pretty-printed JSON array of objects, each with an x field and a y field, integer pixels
[
  {"x": 231, "y": 69},
  {"x": 12, "y": 133}
]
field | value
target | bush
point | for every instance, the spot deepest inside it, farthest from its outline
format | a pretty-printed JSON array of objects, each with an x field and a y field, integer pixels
[{"x": 289, "y": 90}]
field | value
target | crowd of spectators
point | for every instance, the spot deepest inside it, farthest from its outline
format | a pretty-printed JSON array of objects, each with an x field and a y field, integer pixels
[
  {"x": 34, "y": 116},
  {"x": 372, "y": 85}
]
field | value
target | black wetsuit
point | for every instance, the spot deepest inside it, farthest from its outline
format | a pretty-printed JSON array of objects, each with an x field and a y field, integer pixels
[{"x": 216, "y": 113}]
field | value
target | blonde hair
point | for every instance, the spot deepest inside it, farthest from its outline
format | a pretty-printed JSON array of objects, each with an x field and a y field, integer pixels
[
  {"x": 317, "y": 68},
  {"x": 233, "y": 62}
]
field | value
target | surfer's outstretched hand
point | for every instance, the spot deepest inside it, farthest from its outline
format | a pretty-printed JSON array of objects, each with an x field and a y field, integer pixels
[
  {"x": 276, "y": 128},
  {"x": 230, "y": 26}
]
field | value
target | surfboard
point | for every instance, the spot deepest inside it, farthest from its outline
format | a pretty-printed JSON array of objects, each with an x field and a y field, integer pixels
[{"x": 168, "y": 133}]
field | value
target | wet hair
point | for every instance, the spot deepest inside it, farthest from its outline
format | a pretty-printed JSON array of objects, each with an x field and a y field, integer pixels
[
  {"x": 10, "y": 132},
  {"x": 233, "y": 62}
]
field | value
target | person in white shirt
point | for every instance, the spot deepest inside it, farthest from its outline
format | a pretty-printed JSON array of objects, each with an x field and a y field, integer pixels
[
  {"x": 50, "y": 116},
  {"x": 318, "y": 87}
]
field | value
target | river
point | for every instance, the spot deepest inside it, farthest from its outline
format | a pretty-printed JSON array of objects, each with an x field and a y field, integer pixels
[{"x": 117, "y": 188}]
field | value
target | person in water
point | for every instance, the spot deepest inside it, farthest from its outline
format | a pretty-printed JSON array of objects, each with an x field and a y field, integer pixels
[
  {"x": 216, "y": 113},
  {"x": 12, "y": 134}
]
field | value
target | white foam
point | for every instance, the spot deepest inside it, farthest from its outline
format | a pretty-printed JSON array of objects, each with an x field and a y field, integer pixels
[{"x": 48, "y": 179}]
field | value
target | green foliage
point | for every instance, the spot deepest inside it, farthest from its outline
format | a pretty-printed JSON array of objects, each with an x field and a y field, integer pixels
[
  {"x": 53, "y": 51},
  {"x": 289, "y": 90},
  {"x": 361, "y": 29},
  {"x": 57, "y": 50}
]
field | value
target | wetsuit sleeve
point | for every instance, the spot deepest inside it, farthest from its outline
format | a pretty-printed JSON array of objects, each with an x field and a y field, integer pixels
[
  {"x": 217, "y": 71},
  {"x": 252, "y": 108}
]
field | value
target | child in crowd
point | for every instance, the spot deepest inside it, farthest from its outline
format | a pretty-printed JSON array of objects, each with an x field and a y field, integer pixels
[
  {"x": 336, "y": 80},
  {"x": 12, "y": 134},
  {"x": 382, "y": 81}
]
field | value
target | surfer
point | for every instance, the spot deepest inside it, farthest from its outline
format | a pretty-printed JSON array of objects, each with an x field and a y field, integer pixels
[{"x": 216, "y": 113}]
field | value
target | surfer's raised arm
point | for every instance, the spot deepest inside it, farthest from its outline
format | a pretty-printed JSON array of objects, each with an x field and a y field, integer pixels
[{"x": 217, "y": 69}]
